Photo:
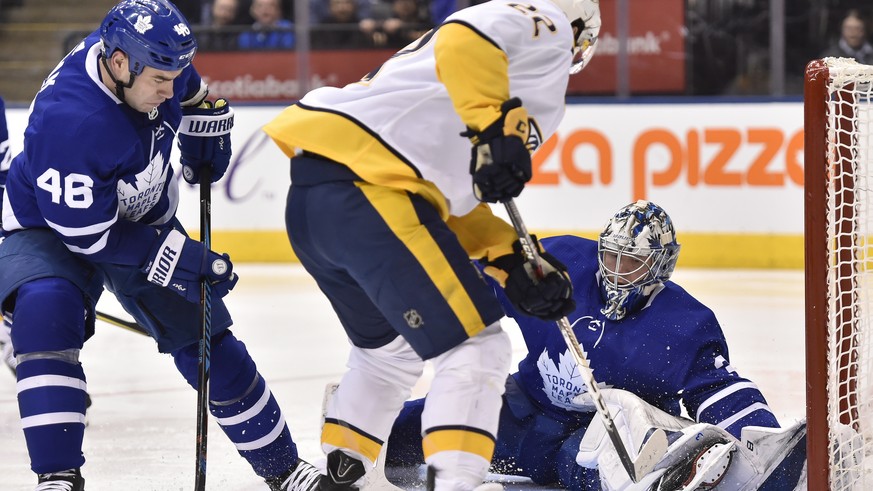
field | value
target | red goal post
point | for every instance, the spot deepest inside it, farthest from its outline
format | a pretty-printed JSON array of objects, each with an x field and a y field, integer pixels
[{"x": 838, "y": 203}]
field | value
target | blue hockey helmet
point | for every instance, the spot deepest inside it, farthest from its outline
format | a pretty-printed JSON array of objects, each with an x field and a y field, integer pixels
[
  {"x": 636, "y": 253},
  {"x": 151, "y": 33}
]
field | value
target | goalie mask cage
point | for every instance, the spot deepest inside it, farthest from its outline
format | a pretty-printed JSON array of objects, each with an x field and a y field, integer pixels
[{"x": 838, "y": 166}]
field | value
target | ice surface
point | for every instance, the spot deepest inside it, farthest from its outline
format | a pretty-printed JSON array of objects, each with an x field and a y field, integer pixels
[{"x": 141, "y": 434}]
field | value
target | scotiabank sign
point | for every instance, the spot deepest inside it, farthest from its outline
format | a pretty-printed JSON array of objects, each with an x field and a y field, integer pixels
[
  {"x": 271, "y": 76},
  {"x": 656, "y": 48}
]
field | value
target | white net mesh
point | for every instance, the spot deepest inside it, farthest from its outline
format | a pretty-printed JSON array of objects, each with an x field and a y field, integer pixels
[{"x": 850, "y": 273}]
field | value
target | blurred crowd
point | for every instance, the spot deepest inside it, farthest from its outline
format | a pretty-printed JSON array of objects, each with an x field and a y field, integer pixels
[{"x": 334, "y": 24}]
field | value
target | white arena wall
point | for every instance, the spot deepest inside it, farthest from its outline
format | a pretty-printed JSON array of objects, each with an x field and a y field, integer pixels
[{"x": 729, "y": 174}]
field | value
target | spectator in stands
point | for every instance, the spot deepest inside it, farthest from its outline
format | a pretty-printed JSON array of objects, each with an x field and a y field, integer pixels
[
  {"x": 220, "y": 35},
  {"x": 319, "y": 10},
  {"x": 853, "y": 40},
  {"x": 342, "y": 27},
  {"x": 407, "y": 22},
  {"x": 193, "y": 10},
  {"x": 270, "y": 30}
]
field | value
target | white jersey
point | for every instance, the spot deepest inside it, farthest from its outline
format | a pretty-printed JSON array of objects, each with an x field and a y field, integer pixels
[{"x": 406, "y": 107}]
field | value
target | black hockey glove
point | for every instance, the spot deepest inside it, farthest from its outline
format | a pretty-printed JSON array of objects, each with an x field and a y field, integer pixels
[
  {"x": 549, "y": 298},
  {"x": 500, "y": 161},
  {"x": 180, "y": 263},
  {"x": 204, "y": 139}
]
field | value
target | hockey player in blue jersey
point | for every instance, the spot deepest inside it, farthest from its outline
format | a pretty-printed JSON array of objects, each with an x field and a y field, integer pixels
[
  {"x": 90, "y": 203},
  {"x": 645, "y": 335}
]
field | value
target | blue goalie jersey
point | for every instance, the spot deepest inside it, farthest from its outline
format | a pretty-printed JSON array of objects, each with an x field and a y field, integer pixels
[
  {"x": 670, "y": 353},
  {"x": 93, "y": 169}
]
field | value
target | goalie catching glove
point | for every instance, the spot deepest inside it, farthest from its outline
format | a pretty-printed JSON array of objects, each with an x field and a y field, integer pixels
[
  {"x": 180, "y": 264},
  {"x": 548, "y": 298},
  {"x": 500, "y": 161},
  {"x": 204, "y": 139}
]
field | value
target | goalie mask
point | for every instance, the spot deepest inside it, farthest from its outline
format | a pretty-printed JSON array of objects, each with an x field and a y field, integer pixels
[
  {"x": 151, "y": 33},
  {"x": 584, "y": 17},
  {"x": 636, "y": 253}
]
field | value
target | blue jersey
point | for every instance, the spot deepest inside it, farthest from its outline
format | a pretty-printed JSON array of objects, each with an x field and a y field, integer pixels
[
  {"x": 94, "y": 170},
  {"x": 671, "y": 352}
]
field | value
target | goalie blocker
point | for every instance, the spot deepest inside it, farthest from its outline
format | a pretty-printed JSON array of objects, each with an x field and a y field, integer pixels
[{"x": 700, "y": 455}]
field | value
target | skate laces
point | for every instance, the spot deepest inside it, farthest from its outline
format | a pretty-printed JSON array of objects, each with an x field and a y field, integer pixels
[
  {"x": 305, "y": 477},
  {"x": 58, "y": 481}
]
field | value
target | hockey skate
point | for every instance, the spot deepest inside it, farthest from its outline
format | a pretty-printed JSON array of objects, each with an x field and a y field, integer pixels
[
  {"x": 343, "y": 471},
  {"x": 303, "y": 477},
  {"x": 68, "y": 480}
]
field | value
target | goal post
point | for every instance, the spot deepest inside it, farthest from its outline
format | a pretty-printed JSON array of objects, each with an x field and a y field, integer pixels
[{"x": 838, "y": 229}]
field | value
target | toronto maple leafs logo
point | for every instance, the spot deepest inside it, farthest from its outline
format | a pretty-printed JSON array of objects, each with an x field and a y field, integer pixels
[
  {"x": 143, "y": 23},
  {"x": 562, "y": 383},
  {"x": 135, "y": 199}
]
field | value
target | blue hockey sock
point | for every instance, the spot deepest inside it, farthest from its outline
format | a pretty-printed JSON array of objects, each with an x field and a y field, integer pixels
[
  {"x": 243, "y": 405},
  {"x": 256, "y": 426},
  {"x": 51, "y": 400}
]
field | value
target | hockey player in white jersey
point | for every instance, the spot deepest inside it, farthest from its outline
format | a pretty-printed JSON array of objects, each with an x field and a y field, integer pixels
[
  {"x": 645, "y": 335},
  {"x": 89, "y": 203},
  {"x": 385, "y": 210}
]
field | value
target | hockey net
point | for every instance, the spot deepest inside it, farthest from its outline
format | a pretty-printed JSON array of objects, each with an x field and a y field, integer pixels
[{"x": 838, "y": 131}]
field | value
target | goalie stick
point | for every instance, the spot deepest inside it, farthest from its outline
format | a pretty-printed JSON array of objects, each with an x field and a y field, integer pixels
[{"x": 654, "y": 449}]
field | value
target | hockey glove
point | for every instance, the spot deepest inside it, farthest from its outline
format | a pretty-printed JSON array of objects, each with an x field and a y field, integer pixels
[
  {"x": 204, "y": 139},
  {"x": 500, "y": 161},
  {"x": 180, "y": 263},
  {"x": 548, "y": 298}
]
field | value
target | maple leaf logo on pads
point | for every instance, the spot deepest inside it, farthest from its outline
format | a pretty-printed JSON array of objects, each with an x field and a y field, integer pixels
[{"x": 143, "y": 23}]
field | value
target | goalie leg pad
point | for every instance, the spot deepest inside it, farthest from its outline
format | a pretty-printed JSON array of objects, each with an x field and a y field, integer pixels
[{"x": 698, "y": 459}]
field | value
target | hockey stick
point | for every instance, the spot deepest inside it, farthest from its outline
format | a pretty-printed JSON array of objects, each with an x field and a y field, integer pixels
[
  {"x": 205, "y": 332},
  {"x": 119, "y": 322},
  {"x": 654, "y": 449}
]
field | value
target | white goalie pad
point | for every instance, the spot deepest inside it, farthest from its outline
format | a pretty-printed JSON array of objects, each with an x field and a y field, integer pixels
[
  {"x": 634, "y": 420},
  {"x": 700, "y": 455}
]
